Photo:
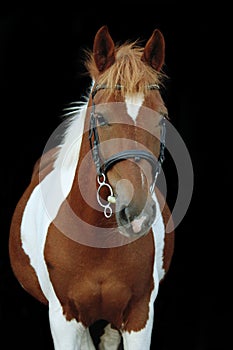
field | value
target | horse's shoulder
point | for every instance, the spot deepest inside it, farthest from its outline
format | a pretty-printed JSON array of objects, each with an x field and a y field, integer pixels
[
  {"x": 169, "y": 238},
  {"x": 44, "y": 164},
  {"x": 165, "y": 210}
]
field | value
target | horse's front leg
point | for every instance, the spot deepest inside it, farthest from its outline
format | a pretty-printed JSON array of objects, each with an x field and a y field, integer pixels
[
  {"x": 68, "y": 335},
  {"x": 141, "y": 339},
  {"x": 138, "y": 340}
]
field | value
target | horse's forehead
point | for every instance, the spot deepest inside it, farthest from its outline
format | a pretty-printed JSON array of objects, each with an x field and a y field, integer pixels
[
  {"x": 134, "y": 105},
  {"x": 138, "y": 103}
]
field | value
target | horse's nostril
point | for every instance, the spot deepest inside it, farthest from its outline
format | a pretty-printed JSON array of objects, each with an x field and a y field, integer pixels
[{"x": 124, "y": 215}]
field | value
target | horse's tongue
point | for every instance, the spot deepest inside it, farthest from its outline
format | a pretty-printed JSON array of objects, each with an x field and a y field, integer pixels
[{"x": 137, "y": 224}]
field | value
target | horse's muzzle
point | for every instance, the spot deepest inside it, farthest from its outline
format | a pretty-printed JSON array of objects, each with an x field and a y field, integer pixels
[{"x": 134, "y": 224}]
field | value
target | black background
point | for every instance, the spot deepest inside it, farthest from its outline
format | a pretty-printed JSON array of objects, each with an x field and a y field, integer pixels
[{"x": 41, "y": 71}]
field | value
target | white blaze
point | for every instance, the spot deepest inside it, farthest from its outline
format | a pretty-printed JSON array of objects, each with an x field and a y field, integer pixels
[{"x": 133, "y": 104}]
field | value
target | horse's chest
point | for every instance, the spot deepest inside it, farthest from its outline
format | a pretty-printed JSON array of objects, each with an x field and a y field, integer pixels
[{"x": 94, "y": 283}]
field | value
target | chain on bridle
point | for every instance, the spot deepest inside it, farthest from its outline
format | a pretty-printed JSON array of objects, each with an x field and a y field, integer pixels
[{"x": 102, "y": 166}]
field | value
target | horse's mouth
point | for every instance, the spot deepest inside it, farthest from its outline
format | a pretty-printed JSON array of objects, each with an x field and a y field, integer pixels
[{"x": 139, "y": 227}]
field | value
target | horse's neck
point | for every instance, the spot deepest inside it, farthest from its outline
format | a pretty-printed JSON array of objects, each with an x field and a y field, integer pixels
[
  {"x": 86, "y": 220},
  {"x": 83, "y": 190}
]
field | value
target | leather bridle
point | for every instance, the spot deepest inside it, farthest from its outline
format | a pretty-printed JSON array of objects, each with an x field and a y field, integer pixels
[{"x": 103, "y": 165}]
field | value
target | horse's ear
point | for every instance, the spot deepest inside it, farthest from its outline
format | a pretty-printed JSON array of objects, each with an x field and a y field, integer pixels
[
  {"x": 154, "y": 51},
  {"x": 103, "y": 49}
]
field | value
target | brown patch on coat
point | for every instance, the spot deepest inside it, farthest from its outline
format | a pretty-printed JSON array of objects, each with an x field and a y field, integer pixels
[
  {"x": 114, "y": 284},
  {"x": 20, "y": 261},
  {"x": 169, "y": 231}
]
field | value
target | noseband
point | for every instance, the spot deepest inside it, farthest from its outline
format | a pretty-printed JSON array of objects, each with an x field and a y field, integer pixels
[{"x": 102, "y": 166}]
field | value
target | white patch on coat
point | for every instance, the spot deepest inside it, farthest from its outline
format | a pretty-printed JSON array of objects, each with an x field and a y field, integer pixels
[
  {"x": 40, "y": 210},
  {"x": 133, "y": 104},
  {"x": 110, "y": 340},
  {"x": 158, "y": 229},
  {"x": 71, "y": 144},
  {"x": 46, "y": 199},
  {"x": 68, "y": 335}
]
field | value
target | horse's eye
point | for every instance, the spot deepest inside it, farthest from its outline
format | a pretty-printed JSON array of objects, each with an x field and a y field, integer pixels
[
  {"x": 153, "y": 87},
  {"x": 101, "y": 120}
]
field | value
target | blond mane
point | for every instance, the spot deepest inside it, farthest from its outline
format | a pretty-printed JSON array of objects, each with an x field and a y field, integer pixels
[{"x": 128, "y": 70}]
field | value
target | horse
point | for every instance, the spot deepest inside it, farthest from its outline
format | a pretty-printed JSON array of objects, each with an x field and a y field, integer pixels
[{"x": 88, "y": 236}]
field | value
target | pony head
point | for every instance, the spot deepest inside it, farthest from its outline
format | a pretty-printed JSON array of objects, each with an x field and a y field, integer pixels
[{"x": 126, "y": 121}]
